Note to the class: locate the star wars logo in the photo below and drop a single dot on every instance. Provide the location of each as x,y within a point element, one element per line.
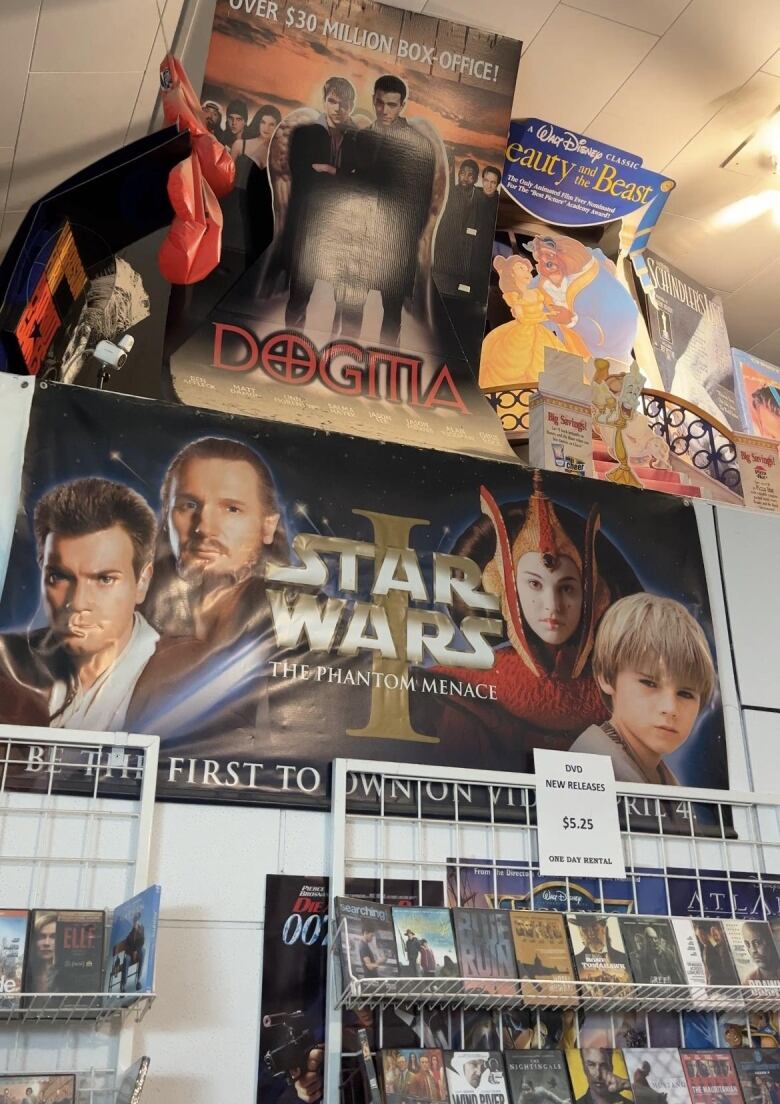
<point>394,632</point>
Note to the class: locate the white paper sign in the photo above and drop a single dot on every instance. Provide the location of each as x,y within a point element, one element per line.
<point>576,815</point>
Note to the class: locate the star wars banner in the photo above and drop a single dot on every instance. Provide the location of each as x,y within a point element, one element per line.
<point>266,598</point>
<point>380,134</point>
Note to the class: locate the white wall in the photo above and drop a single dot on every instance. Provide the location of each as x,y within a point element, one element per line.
<point>750,547</point>
<point>203,1030</point>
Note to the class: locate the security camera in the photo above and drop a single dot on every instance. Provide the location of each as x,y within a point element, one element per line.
<point>113,355</point>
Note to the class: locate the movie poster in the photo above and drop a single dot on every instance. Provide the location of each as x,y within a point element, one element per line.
<point>287,597</point>
<point>555,283</point>
<point>690,340</point>
<point>758,394</point>
<point>381,136</point>
<point>292,1013</point>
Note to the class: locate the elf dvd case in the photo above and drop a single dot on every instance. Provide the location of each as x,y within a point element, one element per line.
<point>652,950</point>
<point>367,938</point>
<point>476,1075</point>
<point>537,1077</point>
<point>485,949</point>
<point>65,951</point>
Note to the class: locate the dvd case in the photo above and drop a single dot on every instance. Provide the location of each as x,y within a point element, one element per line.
<point>485,949</point>
<point>65,951</point>
<point>758,1071</point>
<point>476,1076</point>
<point>414,1074</point>
<point>656,1075</point>
<point>425,942</point>
<point>133,1081</point>
<point>719,968</point>
<point>41,1088</point>
<point>133,943</point>
<point>13,940</point>
<point>755,954</point>
<point>689,947</point>
<point>652,950</point>
<point>711,1076</point>
<point>368,1070</point>
<point>537,1077</point>
<point>542,953</point>
<point>599,953</point>
<point>367,938</point>
<point>598,1075</point>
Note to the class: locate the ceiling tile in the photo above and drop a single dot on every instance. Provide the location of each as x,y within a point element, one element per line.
<point>522,19</point>
<point>172,10</point>
<point>655,17</point>
<point>119,38</point>
<point>6,160</point>
<point>648,131</point>
<point>517,20</point>
<point>19,19</point>
<point>575,63</point>
<point>66,125</point>
<point>650,141</point>
<point>721,259</point>
<point>773,65</point>
<point>705,147</point>
<point>148,94</point>
<point>694,69</point>
<point>768,349</point>
<point>702,186</point>
<point>751,312</point>
<point>10,223</point>
<point>415,5</point>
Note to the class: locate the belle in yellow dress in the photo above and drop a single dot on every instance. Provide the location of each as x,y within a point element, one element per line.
<point>513,354</point>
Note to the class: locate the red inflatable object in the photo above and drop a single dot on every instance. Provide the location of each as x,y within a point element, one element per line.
<point>182,107</point>
<point>192,247</point>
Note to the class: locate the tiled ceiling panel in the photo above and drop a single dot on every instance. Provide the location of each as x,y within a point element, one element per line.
<point>655,16</point>
<point>576,50</point>
<point>680,82</point>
